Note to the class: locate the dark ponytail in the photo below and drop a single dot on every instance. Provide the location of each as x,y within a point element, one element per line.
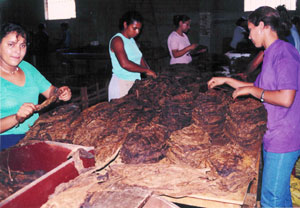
<point>285,21</point>
<point>271,17</point>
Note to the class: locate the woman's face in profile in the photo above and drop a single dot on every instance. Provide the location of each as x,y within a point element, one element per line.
<point>133,29</point>
<point>185,26</point>
<point>12,49</point>
<point>255,34</point>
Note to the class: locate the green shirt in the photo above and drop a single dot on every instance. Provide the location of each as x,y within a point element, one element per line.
<point>13,96</point>
<point>133,53</point>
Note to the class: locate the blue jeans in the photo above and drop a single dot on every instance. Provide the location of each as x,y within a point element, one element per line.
<point>276,176</point>
<point>7,141</point>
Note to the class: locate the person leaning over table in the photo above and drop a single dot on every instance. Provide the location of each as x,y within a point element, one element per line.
<point>126,58</point>
<point>277,86</point>
<point>21,84</point>
<point>178,42</point>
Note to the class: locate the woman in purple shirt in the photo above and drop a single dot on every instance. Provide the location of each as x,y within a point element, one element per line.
<point>277,87</point>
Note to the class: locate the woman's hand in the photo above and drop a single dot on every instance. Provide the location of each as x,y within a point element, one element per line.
<point>25,111</point>
<point>193,46</point>
<point>151,73</point>
<point>202,50</point>
<point>241,91</point>
<point>216,81</point>
<point>234,83</point>
<point>65,93</point>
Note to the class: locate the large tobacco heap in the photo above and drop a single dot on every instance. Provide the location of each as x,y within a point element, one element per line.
<point>171,120</point>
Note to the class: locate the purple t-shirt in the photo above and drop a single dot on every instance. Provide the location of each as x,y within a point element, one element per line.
<point>280,71</point>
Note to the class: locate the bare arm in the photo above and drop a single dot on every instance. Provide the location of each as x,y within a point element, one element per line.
<point>64,92</point>
<point>255,62</point>
<point>178,53</point>
<point>144,64</point>
<point>27,109</point>
<point>216,81</point>
<point>117,46</point>
<point>283,98</point>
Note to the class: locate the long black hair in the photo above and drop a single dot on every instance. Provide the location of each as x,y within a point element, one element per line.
<point>129,17</point>
<point>271,17</point>
<point>7,28</point>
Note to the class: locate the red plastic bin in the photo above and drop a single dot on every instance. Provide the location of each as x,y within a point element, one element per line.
<point>55,158</point>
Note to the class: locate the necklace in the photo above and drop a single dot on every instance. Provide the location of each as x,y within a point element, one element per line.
<point>10,72</point>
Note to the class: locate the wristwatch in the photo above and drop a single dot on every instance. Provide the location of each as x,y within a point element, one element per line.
<point>262,96</point>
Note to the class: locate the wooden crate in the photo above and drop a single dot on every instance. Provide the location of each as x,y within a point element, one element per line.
<point>58,160</point>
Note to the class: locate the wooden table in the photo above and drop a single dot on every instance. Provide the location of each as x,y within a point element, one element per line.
<point>247,196</point>
<point>87,57</point>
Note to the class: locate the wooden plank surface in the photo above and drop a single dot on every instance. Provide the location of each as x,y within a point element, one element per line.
<point>158,202</point>
<point>211,200</point>
<point>129,197</point>
<point>202,202</point>
<point>247,195</point>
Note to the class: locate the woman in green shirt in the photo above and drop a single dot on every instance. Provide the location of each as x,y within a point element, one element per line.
<point>21,83</point>
<point>127,60</point>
